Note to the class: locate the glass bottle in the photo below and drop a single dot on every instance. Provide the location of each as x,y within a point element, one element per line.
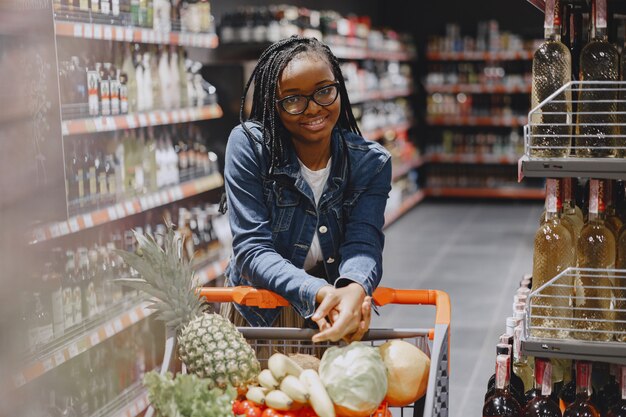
<point>521,367</point>
<point>572,214</point>
<point>42,330</point>
<point>613,222</point>
<point>516,385</point>
<point>542,404</point>
<point>54,287</point>
<point>77,292</point>
<point>552,67</point>
<point>595,249</point>
<point>88,290</point>
<point>620,289</point>
<point>554,252</point>
<point>609,395</point>
<point>620,142</point>
<point>582,406</point>
<point>619,409</point>
<point>68,290</point>
<point>599,61</point>
<point>502,403</point>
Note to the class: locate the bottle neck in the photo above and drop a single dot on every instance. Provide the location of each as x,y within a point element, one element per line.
<point>583,379</point>
<point>543,376</point>
<point>552,34</point>
<point>503,375</point>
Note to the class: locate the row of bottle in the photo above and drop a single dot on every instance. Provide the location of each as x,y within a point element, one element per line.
<point>476,105</point>
<point>489,39</point>
<point>599,130</point>
<point>77,285</point>
<point>160,15</point>
<point>368,76</point>
<point>272,23</point>
<point>140,78</point>
<point>488,144</point>
<point>136,162</point>
<point>94,382</point>
<point>588,305</point>
<point>476,176</point>
<point>373,115</point>
<point>509,73</point>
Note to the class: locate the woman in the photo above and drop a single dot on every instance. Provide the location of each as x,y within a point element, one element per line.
<point>306,195</point>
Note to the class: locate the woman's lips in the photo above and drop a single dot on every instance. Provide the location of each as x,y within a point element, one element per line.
<point>316,124</point>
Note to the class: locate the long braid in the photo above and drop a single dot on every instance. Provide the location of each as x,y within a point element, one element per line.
<point>265,77</point>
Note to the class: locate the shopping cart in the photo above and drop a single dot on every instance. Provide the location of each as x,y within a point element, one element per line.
<point>267,340</point>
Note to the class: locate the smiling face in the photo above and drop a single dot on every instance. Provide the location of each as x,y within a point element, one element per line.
<point>304,75</point>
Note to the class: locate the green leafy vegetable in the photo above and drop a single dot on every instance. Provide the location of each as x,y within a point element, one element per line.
<point>187,396</point>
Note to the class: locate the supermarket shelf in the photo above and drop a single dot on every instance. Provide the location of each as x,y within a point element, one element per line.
<point>611,352</point>
<point>130,34</point>
<point>406,205</point>
<point>127,208</point>
<point>143,119</point>
<point>512,121</point>
<point>74,347</point>
<point>399,130</point>
<point>480,56</point>
<point>406,167</point>
<point>347,52</point>
<point>609,168</point>
<point>380,95</point>
<point>471,159</point>
<point>479,88</point>
<point>514,193</point>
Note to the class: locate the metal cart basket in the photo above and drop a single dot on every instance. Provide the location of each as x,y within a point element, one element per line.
<point>266,341</point>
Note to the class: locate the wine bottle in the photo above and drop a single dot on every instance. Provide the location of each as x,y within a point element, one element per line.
<point>597,111</point>
<point>542,404</point>
<point>515,383</point>
<point>554,252</point>
<point>552,68</point>
<point>619,409</point>
<point>502,403</point>
<point>609,395</point>
<point>582,406</point>
<point>595,249</point>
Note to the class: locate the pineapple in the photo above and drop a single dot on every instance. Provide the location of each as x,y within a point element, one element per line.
<point>208,344</point>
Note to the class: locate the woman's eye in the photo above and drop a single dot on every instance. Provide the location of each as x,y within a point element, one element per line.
<point>293,100</point>
<point>325,92</point>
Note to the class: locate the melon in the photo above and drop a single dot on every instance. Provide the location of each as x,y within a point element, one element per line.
<point>407,372</point>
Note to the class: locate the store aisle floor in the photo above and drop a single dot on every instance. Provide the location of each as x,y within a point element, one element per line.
<point>477,252</point>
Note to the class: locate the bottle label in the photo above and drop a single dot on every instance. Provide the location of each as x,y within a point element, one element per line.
<point>115,97</point>
<point>68,307</point>
<point>83,4</point>
<point>57,312</point>
<point>115,7</point>
<point>93,181</point>
<point>552,195</point>
<point>583,375</point>
<point>546,384</point>
<point>105,5</point>
<point>95,6</point>
<point>92,93</point>
<point>105,97</point>
<point>92,303</point>
<point>596,196</point>
<point>80,179</point>
<point>78,305</point>
<point>517,343</point>
<point>502,371</point>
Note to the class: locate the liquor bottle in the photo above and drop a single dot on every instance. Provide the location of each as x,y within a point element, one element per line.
<point>155,79</point>
<point>619,409</point>
<point>41,331</point>
<point>115,268</point>
<point>521,365</point>
<point>542,404</point>
<point>554,252</point>
<point>572,214</point>
<point>613,222</point>
<point>567,394</point>
<point>599,61</point>
<point>54,287</point>
<point>95,276</point>
<point>620,142</point>
<point>595,249</point>
<point>148,72</point>
<point>88,290</point>
<point>68,290</point>
<point>516,385</point>
<point>609,395</point>
<point>502,403</point>
<point>620,289</point>
<point>165,79</point>
<point>105,88</point>
<point>552,67</point>
<point>582,406</point>
<point>182,74</point>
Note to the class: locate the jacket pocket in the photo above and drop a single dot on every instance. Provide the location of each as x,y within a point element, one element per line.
<point>285,202</point>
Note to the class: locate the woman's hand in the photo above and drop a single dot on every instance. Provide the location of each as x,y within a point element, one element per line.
<point>343,313</point>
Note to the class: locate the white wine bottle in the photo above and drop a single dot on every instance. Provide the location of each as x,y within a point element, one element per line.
<point>552,67</point>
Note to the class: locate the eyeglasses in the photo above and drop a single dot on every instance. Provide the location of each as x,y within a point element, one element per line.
<point>297,104</point>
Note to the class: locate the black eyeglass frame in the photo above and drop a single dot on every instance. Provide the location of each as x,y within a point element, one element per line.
<point>309,98</point>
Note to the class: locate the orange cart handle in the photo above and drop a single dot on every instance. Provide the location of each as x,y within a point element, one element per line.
<point>253,297</point>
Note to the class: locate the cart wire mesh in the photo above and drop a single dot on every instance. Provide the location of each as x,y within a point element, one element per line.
<point>579,304</point>
<point>582,119</point>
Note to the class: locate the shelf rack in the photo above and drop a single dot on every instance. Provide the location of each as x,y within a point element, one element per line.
<point>400,130</point>
<point>471,158</point>
<point>480,56</point>
<point>141,119</point>
<point>478,88</point>
<point>514,193</point>
<point>126,208</point>
<point>97,31</point>
<point>356,98</point>
<point>74,346</point>
<point>511,121</point>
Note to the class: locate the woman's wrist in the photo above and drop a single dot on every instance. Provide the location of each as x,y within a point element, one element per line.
<point>322,292</point>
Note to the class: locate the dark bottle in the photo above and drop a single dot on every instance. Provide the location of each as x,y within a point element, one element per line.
<point>502,403</point>
<point>619,409</point>
<point>517,386</point>
<point>542,404</point>
<point>582,406</point>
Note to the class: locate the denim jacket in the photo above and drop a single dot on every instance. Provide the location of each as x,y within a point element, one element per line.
<point>273,219</point>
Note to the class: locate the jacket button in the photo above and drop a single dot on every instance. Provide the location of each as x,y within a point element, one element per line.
<point>330,260</point>
<point>323,229</point>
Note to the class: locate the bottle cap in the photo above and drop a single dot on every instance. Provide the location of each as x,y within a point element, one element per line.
<point>523,290</point>
<point>510,325</point>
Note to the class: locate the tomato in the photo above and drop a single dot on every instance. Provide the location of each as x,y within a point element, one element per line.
<point>270,412</point>
<point>307,412</point>
<point>247,404</point>
<point>293,414</point>
<point>238,408</point>
<point>254,412</point>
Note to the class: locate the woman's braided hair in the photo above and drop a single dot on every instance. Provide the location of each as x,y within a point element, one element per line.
<point>265,76</point>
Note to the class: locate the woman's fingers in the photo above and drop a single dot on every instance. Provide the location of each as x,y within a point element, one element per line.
<point>364,324</point>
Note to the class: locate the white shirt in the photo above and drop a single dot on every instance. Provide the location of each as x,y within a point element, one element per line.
<point>317,182</point>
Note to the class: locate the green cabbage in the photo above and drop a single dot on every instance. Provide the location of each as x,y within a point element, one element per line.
<point>354,376</point>
<point>187,396</point>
